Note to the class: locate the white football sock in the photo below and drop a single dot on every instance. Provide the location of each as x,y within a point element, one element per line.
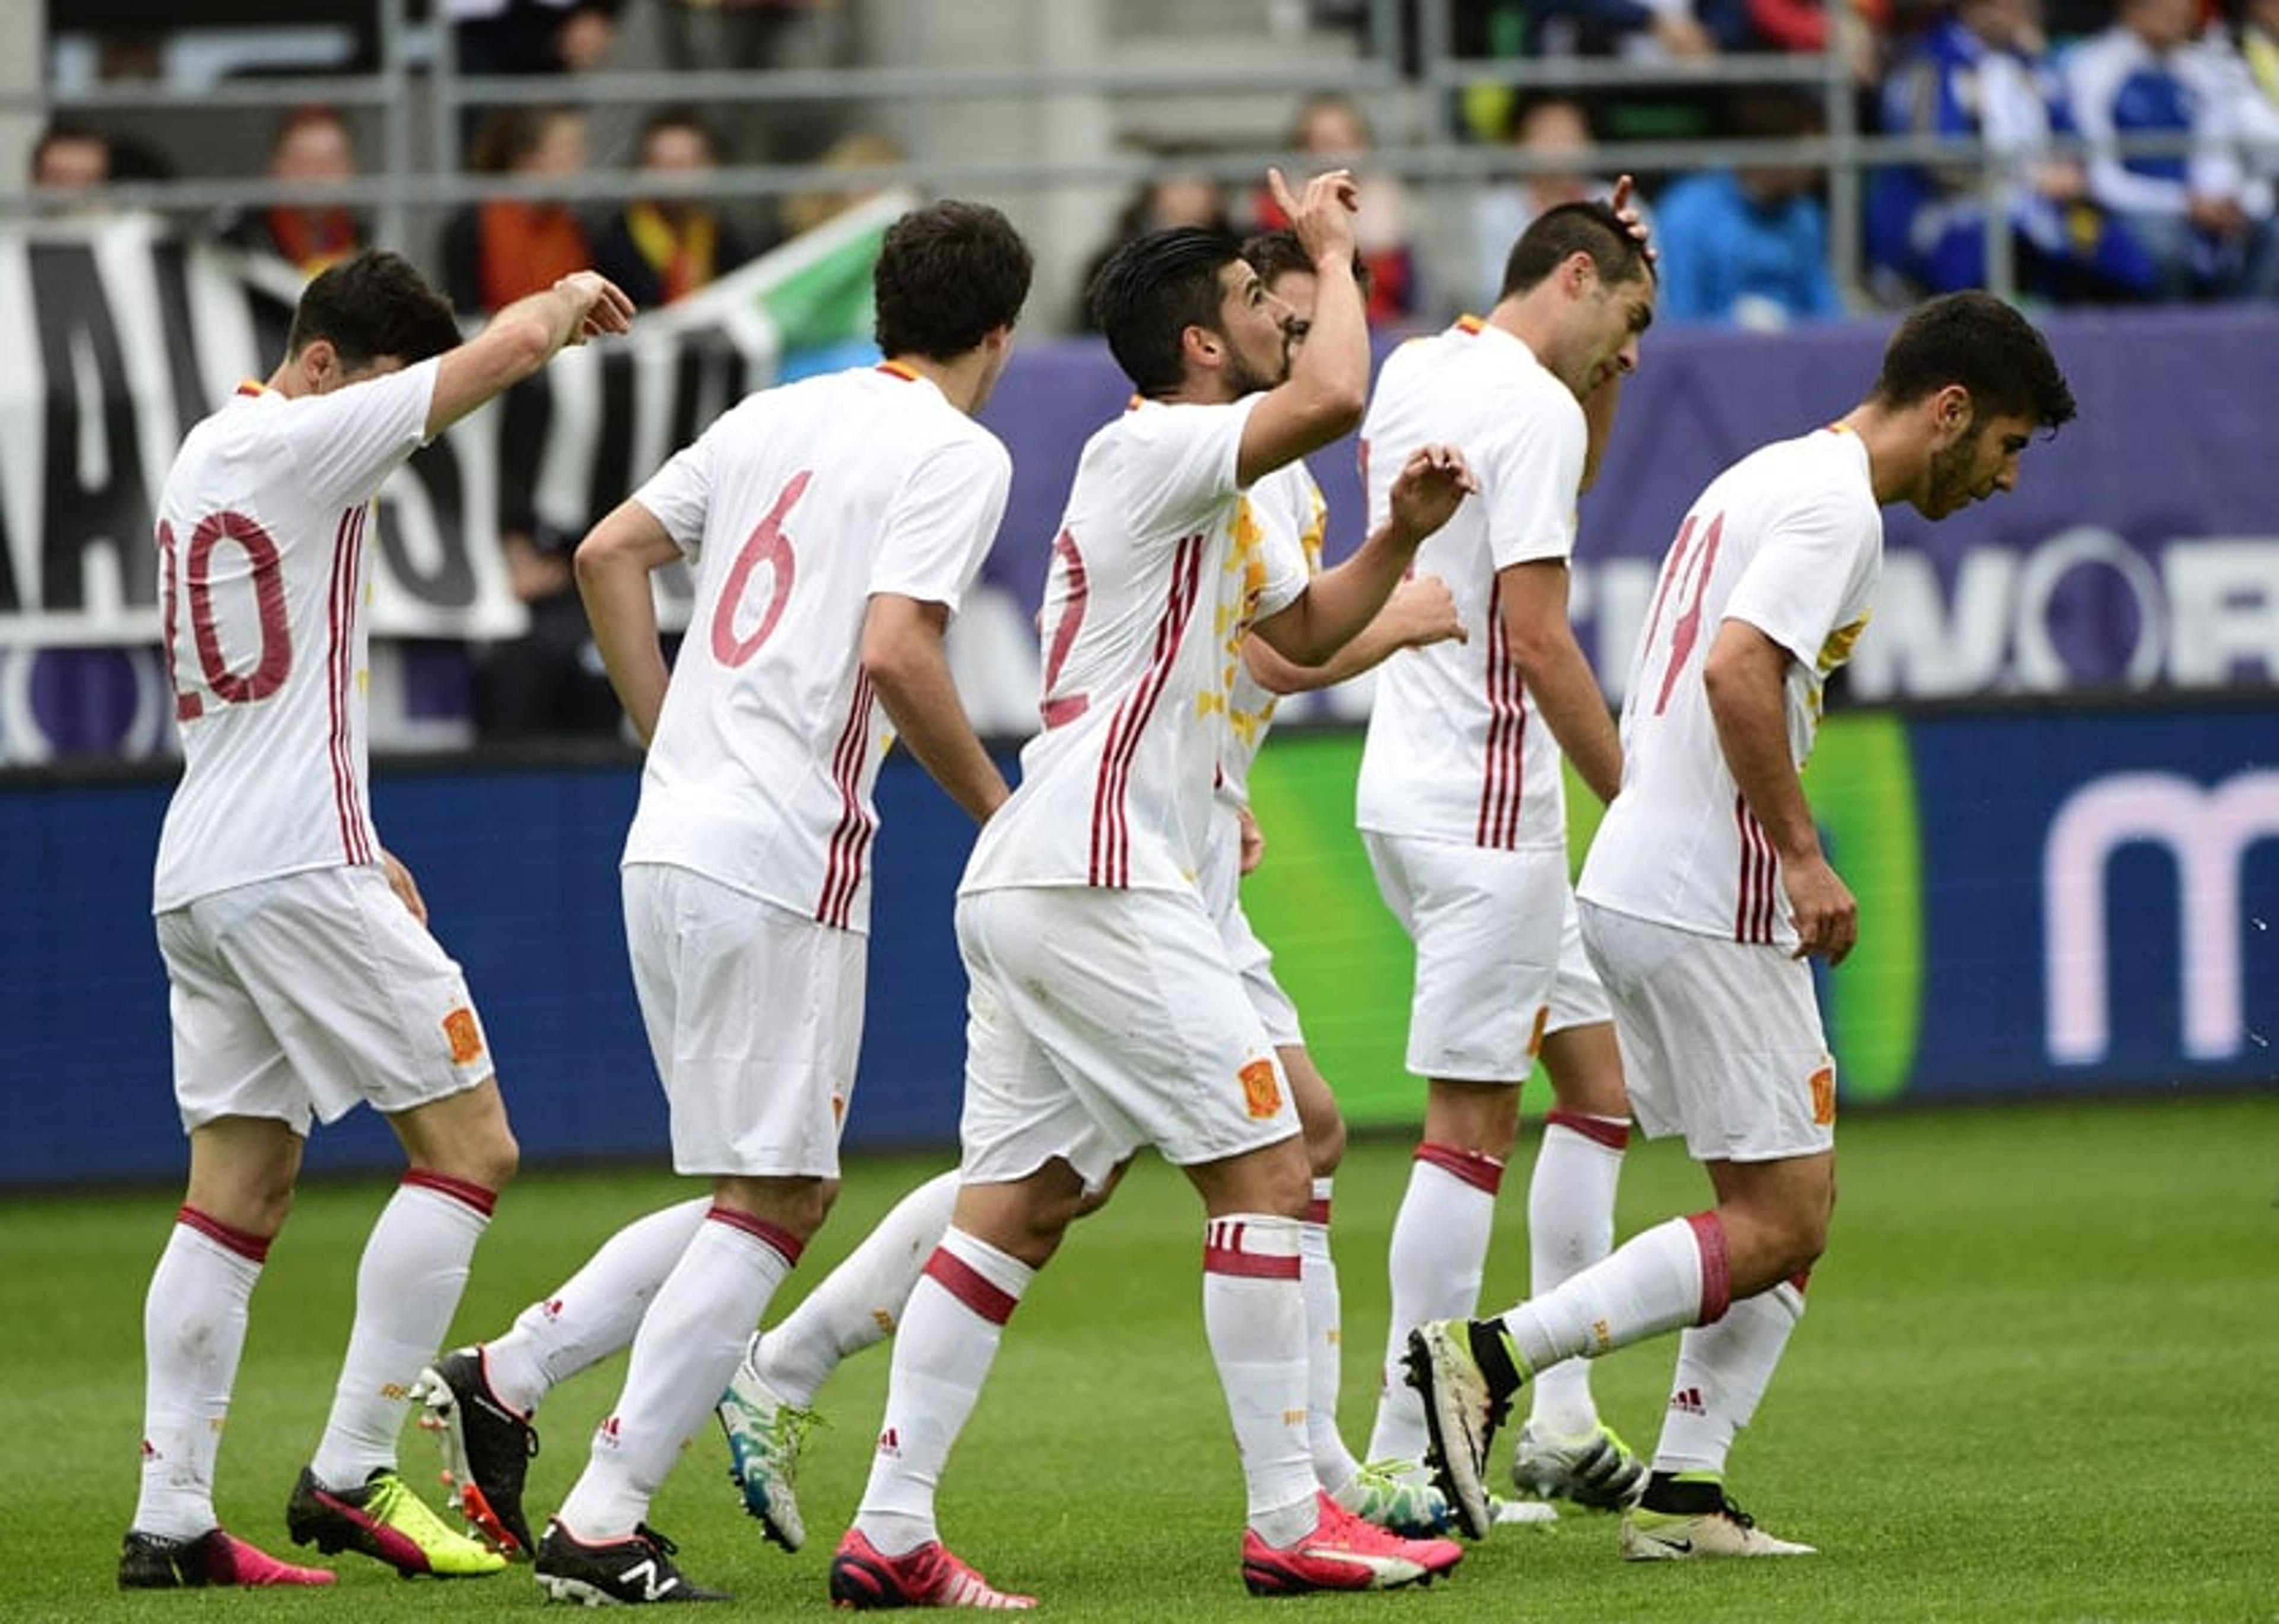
<point>951,1326</point>
<point>1439,1249</point>
<point>859,1302</point>
<point>192,1331</point>
<point>408,1284</point>
<point>1317,1277</point>
<point>1722,1372</point>
<point>1669,1275</point>
<point>1570,1225</point>
<point>593,1313</point>
<point>683,1354</point>
<point>1254,1313</point>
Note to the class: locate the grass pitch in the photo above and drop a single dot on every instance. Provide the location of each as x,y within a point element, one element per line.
<point>2036,1382</point>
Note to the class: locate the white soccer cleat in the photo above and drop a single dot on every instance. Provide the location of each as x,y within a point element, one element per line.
<point>765,1436</point>
<point>1677,1536</point>
<point>1461,1415</point>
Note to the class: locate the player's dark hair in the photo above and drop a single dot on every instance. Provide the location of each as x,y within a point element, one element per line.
<point>1150,292</point>
<point>1974,339</point>
<point>1558,233</point>
<point>371,305</point>
<point>948,275</point>
<point>1279,253</point>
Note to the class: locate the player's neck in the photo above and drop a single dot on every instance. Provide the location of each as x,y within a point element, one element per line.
<point>961,381</point>
<point>1897,456</point>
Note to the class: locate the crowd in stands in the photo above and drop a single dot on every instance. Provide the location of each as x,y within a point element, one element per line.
<point>2134,149</point>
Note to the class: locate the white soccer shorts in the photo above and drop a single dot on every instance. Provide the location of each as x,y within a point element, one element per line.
<point>297,998</point>
<point>754,1017</point>
<point>1722,1040</point>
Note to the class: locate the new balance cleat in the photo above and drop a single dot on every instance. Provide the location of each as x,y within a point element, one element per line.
<point>632,1572</point>
<point>864,1578</point>
<point>1461,1414</point>
<point>765,1436</point>
<point>1596,1471</point>
<point>1693,1517</point>
<point>154,1562</point>
<point>1397,1496</point>
<point>1343,1553</point>
<point>488,1448</point>
<point>382,1519</point>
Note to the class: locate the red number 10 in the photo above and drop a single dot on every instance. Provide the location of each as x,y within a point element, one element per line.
<point>276,661</point>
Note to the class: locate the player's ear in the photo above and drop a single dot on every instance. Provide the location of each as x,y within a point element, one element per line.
<point>320,365</point>
<point>1952,413</point>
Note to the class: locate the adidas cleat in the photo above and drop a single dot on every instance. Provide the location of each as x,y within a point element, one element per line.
<point>1695,1519</point>
<point>154,1562</point>
<point>632,1572</point>
<point>382,1519</point>
<point>1596,1471</point>
<point>1460,1415</point>
<point>1343,1553</point>
<point>863,1578</point>
<point>487,1448</point>
<point>765,1436</point>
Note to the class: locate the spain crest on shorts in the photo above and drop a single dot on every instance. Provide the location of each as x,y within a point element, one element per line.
<point>1262,1090</point>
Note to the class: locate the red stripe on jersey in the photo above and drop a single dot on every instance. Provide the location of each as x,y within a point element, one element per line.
<point>1111,834</point>
<point>1753,912</point>
<point>1501,782</point>
<point>968,1284</point>
<point>347,552</point>
<point>1672,568</point>
<point>850,841</point>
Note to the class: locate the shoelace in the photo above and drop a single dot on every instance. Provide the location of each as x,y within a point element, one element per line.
<point>654,1540</point>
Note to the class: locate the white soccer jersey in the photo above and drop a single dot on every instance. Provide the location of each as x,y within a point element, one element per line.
<point>1159,570</point>
<point>263,523</point>
<point>795,509</point>
<point>1293,518</point>
<point>1456,749</point>
<point>1788,540</point>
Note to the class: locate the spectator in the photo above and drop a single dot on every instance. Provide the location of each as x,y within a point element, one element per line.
<point>2208,227</point>
<point>861,149</point>
<point>1982,77</point>
<point>1177,197</point>
<point>312,147</point>
<point>659,249</point>
<point>1748,247</point>
<point>1550,126</point>
<point>1334,131</point>
<point>499,250</point>
<point>2248,50</point>
<point>531,36</point>
<point>1802,26</point>
<point>70,160</point>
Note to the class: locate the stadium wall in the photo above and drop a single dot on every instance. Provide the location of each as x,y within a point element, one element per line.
<point>2052,903</point>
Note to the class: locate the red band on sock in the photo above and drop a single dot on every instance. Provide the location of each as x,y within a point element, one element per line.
<point>1602,1129</point>
<point>253,1248</point>
<point>1224,1253</point>
<point>1799,1280</point>
<point>786,1245</point>
<point>465,1192</point>
<point>968,1284</point>
<point>1318,1211</point>
<point>1716,1267</point>
<point>1481,1172</point>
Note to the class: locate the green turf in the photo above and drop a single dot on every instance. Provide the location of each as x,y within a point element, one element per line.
<point>2039,1381</point>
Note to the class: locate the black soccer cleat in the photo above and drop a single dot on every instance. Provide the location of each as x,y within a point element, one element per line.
<point>487,1448</point>
<point>630,1571</point>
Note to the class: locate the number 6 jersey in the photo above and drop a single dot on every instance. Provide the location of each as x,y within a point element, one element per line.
<point>795,507</point>
<point>264,523</point>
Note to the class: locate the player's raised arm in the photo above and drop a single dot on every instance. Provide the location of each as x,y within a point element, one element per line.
<point>1327,389</point>
<point>523,337</point>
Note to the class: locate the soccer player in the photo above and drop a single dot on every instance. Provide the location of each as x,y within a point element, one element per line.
<point>833,525</point>
<point>1105,1012</point>
<point>1706,892</point>
<point>1461,806</point>
<point>302,979</point>
<point>768,1409</point>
